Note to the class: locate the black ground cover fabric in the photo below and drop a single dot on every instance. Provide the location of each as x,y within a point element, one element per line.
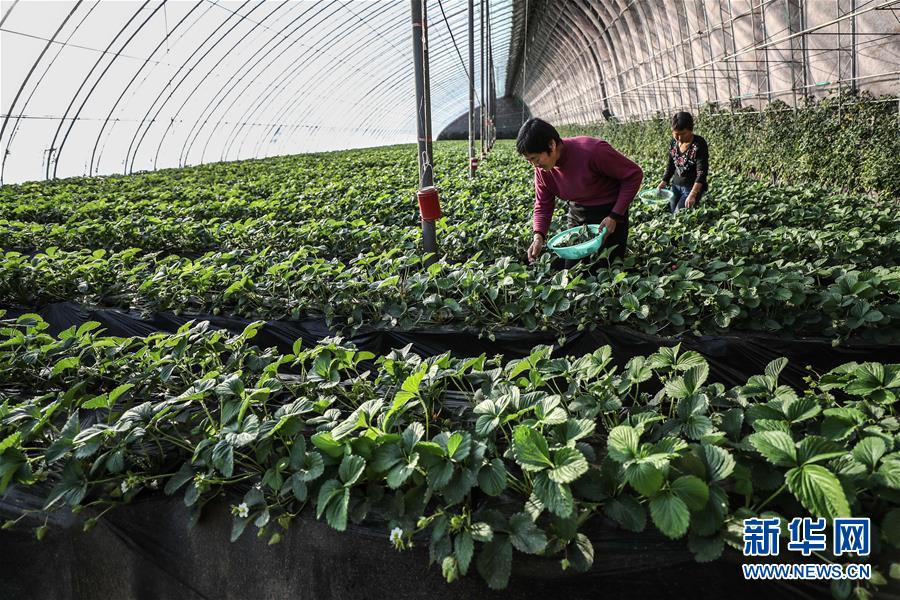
<point>147,550</point>
<point>732,359</point>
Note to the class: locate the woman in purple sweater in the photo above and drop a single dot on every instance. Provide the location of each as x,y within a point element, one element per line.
<point>598,182</point>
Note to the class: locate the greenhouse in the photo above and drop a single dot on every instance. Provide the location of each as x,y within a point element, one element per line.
<point>449,298</point>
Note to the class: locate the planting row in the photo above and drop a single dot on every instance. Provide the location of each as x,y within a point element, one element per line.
<point>486,458</point>
<point>371,184</point>
<point>352,210</point>
<point>390,290</point>
<point>732,226</point>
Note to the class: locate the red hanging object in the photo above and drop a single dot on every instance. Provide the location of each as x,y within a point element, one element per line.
<point>429,203</point>
<point>473,164</point>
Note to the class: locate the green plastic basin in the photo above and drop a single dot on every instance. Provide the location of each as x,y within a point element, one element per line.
<point>579,250</point>
<point>655,196</point>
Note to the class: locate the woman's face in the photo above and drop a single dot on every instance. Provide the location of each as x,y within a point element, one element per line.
<point>544,160</point>
<point>682,136</point>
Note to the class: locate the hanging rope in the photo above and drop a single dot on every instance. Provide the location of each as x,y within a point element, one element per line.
<point>453,39</point>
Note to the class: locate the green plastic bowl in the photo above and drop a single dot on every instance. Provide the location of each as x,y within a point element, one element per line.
<point>655,196</point>
<point>579,250</point>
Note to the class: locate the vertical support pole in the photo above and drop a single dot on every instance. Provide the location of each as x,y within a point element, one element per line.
<point>483,111</point>
<point>489,79</point>
<point>765,39</point>
<point>798,52</point>
<point>493,96</point>
<point>737,71</point>
<point>840,62</point>
<point>423,115</point>
<point>804,50</point>
<point>790,22</point>
<point>426,66</point>
<point>493,99</point>
<point>525,61</point>
<point>712,68</point>
<point>724,52</point>
<point>853,60</point>
<point>471,89</point>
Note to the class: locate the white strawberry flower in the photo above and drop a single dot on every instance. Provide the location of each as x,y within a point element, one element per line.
<point>397,538</point>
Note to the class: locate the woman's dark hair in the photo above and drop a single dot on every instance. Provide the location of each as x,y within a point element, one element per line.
<point>683,120</point>
<point>535,135</point>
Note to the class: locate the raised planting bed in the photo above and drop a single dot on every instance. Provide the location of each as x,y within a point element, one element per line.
<point>490,461</point>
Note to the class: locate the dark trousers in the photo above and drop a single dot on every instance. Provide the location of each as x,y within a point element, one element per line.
<point>593,215</point>
<point>681,193</point>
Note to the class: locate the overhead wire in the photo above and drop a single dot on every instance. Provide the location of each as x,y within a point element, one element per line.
<point>453,39</point>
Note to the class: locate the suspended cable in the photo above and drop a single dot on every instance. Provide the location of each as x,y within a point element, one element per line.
<point>369,26</point>
<point>79,46</point>
<point>6,14</point>
<point>15,127</point>
<point>28,77</point>
<point>453,39</point>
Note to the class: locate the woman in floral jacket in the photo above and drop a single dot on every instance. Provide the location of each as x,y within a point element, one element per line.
<point>688,163</point>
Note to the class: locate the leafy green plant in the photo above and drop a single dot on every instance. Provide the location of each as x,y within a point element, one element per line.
<point>844,140</point>
<point>333,235</point>
<point>485,459</point>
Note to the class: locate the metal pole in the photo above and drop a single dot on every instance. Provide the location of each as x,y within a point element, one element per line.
<point>853,65</point>
<point>493,83</point>
<point>471,87</point>
<point>426,176</point>
<point>790,22</point>
<point>427,76</point>
<point>426,173</point>
<point>488,77</point>
<point>525,57</point>
<point>483,95</point>
<point>765,33</point>
<point>737,72</point>
<point>804,52</point>
<point>493,100</point>
<point>840,90</point>
<point>705,13</point>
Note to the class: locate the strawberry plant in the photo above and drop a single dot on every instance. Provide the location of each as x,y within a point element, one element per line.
<point>333,235</point>
<point>489,459</point>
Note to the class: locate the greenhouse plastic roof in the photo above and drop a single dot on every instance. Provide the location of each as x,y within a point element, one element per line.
<point>117,87</point>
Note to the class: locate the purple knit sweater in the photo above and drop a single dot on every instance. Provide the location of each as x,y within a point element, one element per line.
<point>589,172</point>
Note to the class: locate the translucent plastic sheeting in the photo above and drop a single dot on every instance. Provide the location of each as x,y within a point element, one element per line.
<point>116,87</point>
<point>582,60</point>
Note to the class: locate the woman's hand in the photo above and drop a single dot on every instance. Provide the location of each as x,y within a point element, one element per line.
<point>662,185</point>
<point>690,200</point>
<point>610,225</point>
<point>536,247</point>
